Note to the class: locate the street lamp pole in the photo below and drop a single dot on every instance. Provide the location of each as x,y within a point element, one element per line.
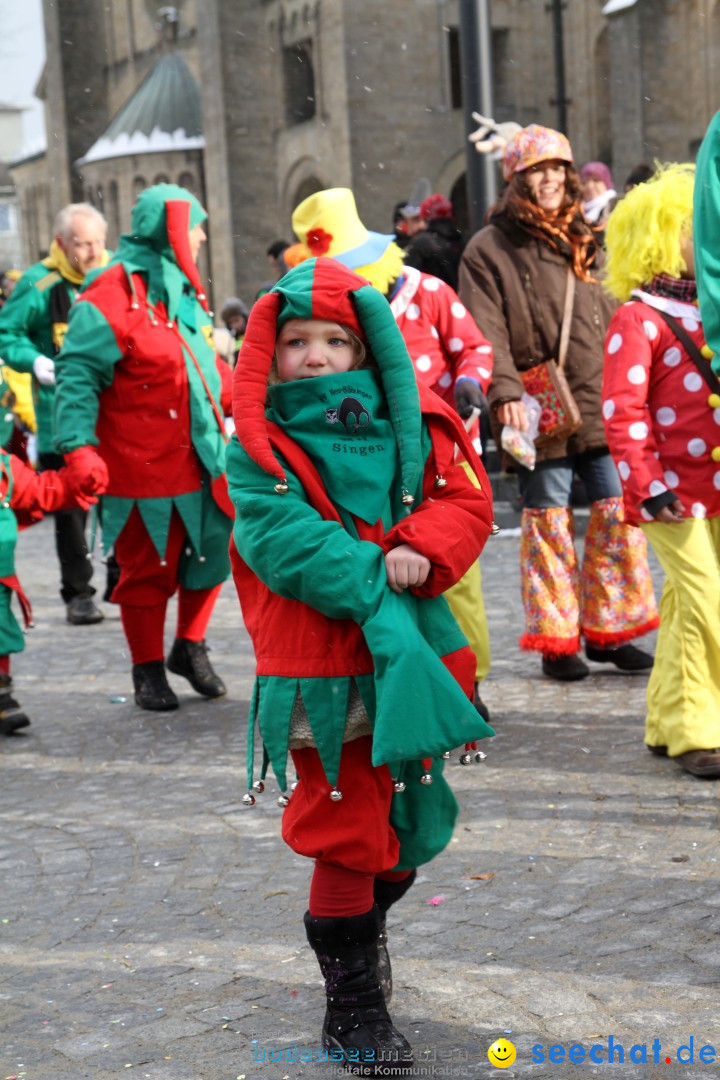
<point>559,51</point>
<point>476,69</point>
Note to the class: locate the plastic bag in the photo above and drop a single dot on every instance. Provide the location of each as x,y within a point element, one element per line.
<point>521,444</point>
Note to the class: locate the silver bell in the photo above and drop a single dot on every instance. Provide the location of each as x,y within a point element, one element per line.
<point>466,758</point>
<point>294,785</point>
<point>336,795</point>
<point>259,786</point>
<point>446,755</point>
<point>426,778</point>
<point>480,756</point>
<point>399,785</point>
<point>282,801</point>
<point>248,799</point>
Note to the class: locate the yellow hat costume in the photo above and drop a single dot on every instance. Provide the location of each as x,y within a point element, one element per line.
<point>327,223</point>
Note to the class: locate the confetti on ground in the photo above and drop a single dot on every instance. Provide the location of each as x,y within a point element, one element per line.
<point>435,901</point>
<point>483,877</point>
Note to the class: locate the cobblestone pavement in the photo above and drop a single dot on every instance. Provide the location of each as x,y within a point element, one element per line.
<point>151,927</point>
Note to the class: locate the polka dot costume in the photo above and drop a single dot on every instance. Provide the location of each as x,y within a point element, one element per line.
<point>661,427</point>
<point>441,335</point>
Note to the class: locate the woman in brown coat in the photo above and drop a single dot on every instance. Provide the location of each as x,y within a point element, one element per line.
<point>513,279</point>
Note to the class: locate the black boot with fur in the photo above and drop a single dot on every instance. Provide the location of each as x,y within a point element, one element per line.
<point>386,894</point>
<point>357,1022</point>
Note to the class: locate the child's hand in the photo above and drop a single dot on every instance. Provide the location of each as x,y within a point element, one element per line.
<point>671,514</point>
<point>405,567</point>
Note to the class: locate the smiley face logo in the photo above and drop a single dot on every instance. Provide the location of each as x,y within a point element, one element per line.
<point>501,1054</point>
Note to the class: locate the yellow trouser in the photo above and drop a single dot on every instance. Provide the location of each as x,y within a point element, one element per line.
<point>467,605</point>
<point>684,689</point>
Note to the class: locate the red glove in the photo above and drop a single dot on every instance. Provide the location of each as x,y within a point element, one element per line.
<point>87,473</point>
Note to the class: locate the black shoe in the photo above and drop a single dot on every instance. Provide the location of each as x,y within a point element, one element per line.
<point>152,690</point>
<point>386,894</point>
<point>565,668</point>
<point>190,659</point>
<point>624,657</point>
<point>12,718</point>
<point>82,611</point>
<point>480,704</point>
<point>357,1023</point>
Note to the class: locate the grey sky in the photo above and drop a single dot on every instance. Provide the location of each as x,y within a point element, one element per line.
<point>22,55</point>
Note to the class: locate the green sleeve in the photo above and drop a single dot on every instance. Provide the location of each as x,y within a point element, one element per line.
<point>25,326</point>
<point>706,228</point>
<point>84,368</point>
<point>295,552</point>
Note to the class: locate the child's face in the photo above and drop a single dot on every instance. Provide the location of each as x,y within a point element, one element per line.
<point>309,347</point>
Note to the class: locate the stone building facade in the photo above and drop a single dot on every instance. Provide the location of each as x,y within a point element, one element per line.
<point>302,94</point>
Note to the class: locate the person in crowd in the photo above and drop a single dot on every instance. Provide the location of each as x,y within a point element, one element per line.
<point>25,496</point>
<point>275,257</point>
<point>661,419</point>
<point>637,175</point>
<point>449,353</point>
<point>228,339</point>
<point>140,400</point>
<point>514,277</point>
<point>598,193</point>
<point>438,248</point>
<point>407,223</point>
<point>352,518</point>
<point>32,325</point>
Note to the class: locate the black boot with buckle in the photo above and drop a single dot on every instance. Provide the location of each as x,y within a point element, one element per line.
<point>152,690</point>
<point>386,894</point>
<point>357,1022</point>
<point>190,659</point>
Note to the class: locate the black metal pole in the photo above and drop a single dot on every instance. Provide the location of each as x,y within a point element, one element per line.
<point>559,50</point>
<point>476,71</point>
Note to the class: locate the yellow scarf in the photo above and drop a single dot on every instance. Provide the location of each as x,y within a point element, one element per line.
<point>58,260</point>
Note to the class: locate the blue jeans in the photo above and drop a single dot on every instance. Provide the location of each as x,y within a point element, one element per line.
<point>549,483</point>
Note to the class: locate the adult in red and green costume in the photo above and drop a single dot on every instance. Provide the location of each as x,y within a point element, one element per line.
<point>367,687</point>
<point>32,325</point>
<point>140,398</point>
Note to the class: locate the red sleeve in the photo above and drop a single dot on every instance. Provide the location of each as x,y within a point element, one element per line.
<point>35,494</point>
<point>226,385</point>
<point>451,524</point>
<point>626,379</point>
<point>470,352</point>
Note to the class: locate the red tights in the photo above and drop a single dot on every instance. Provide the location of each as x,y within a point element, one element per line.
<point>335,891</point>
<point>144,626</point>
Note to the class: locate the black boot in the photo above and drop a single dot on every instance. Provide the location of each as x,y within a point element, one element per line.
<point>12,718</point>
<point>357,1022</point>
<point>152,690</point>
<point>386,894</point>
<point>190,659</point>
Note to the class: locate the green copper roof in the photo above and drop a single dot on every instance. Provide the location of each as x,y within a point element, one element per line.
<point>163,114</point>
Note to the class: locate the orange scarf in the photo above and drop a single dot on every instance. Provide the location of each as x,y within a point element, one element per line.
<point>554,228</point>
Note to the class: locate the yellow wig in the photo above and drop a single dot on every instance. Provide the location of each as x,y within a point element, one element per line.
<point>645,230</point>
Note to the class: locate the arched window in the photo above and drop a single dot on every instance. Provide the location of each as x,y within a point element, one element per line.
<point>161,178</point>
<point>187,180</point>
<point>306,188</point>
<point>139,184</point>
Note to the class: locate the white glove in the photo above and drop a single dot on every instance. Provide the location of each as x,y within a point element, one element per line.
<point>44,369</point>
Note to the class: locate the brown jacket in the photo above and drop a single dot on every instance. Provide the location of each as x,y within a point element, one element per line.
<point>514,286</point>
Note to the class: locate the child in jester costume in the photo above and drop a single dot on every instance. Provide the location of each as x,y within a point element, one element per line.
<point>25,496</point>
<point>352,518</point>
<point>139,402</point>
